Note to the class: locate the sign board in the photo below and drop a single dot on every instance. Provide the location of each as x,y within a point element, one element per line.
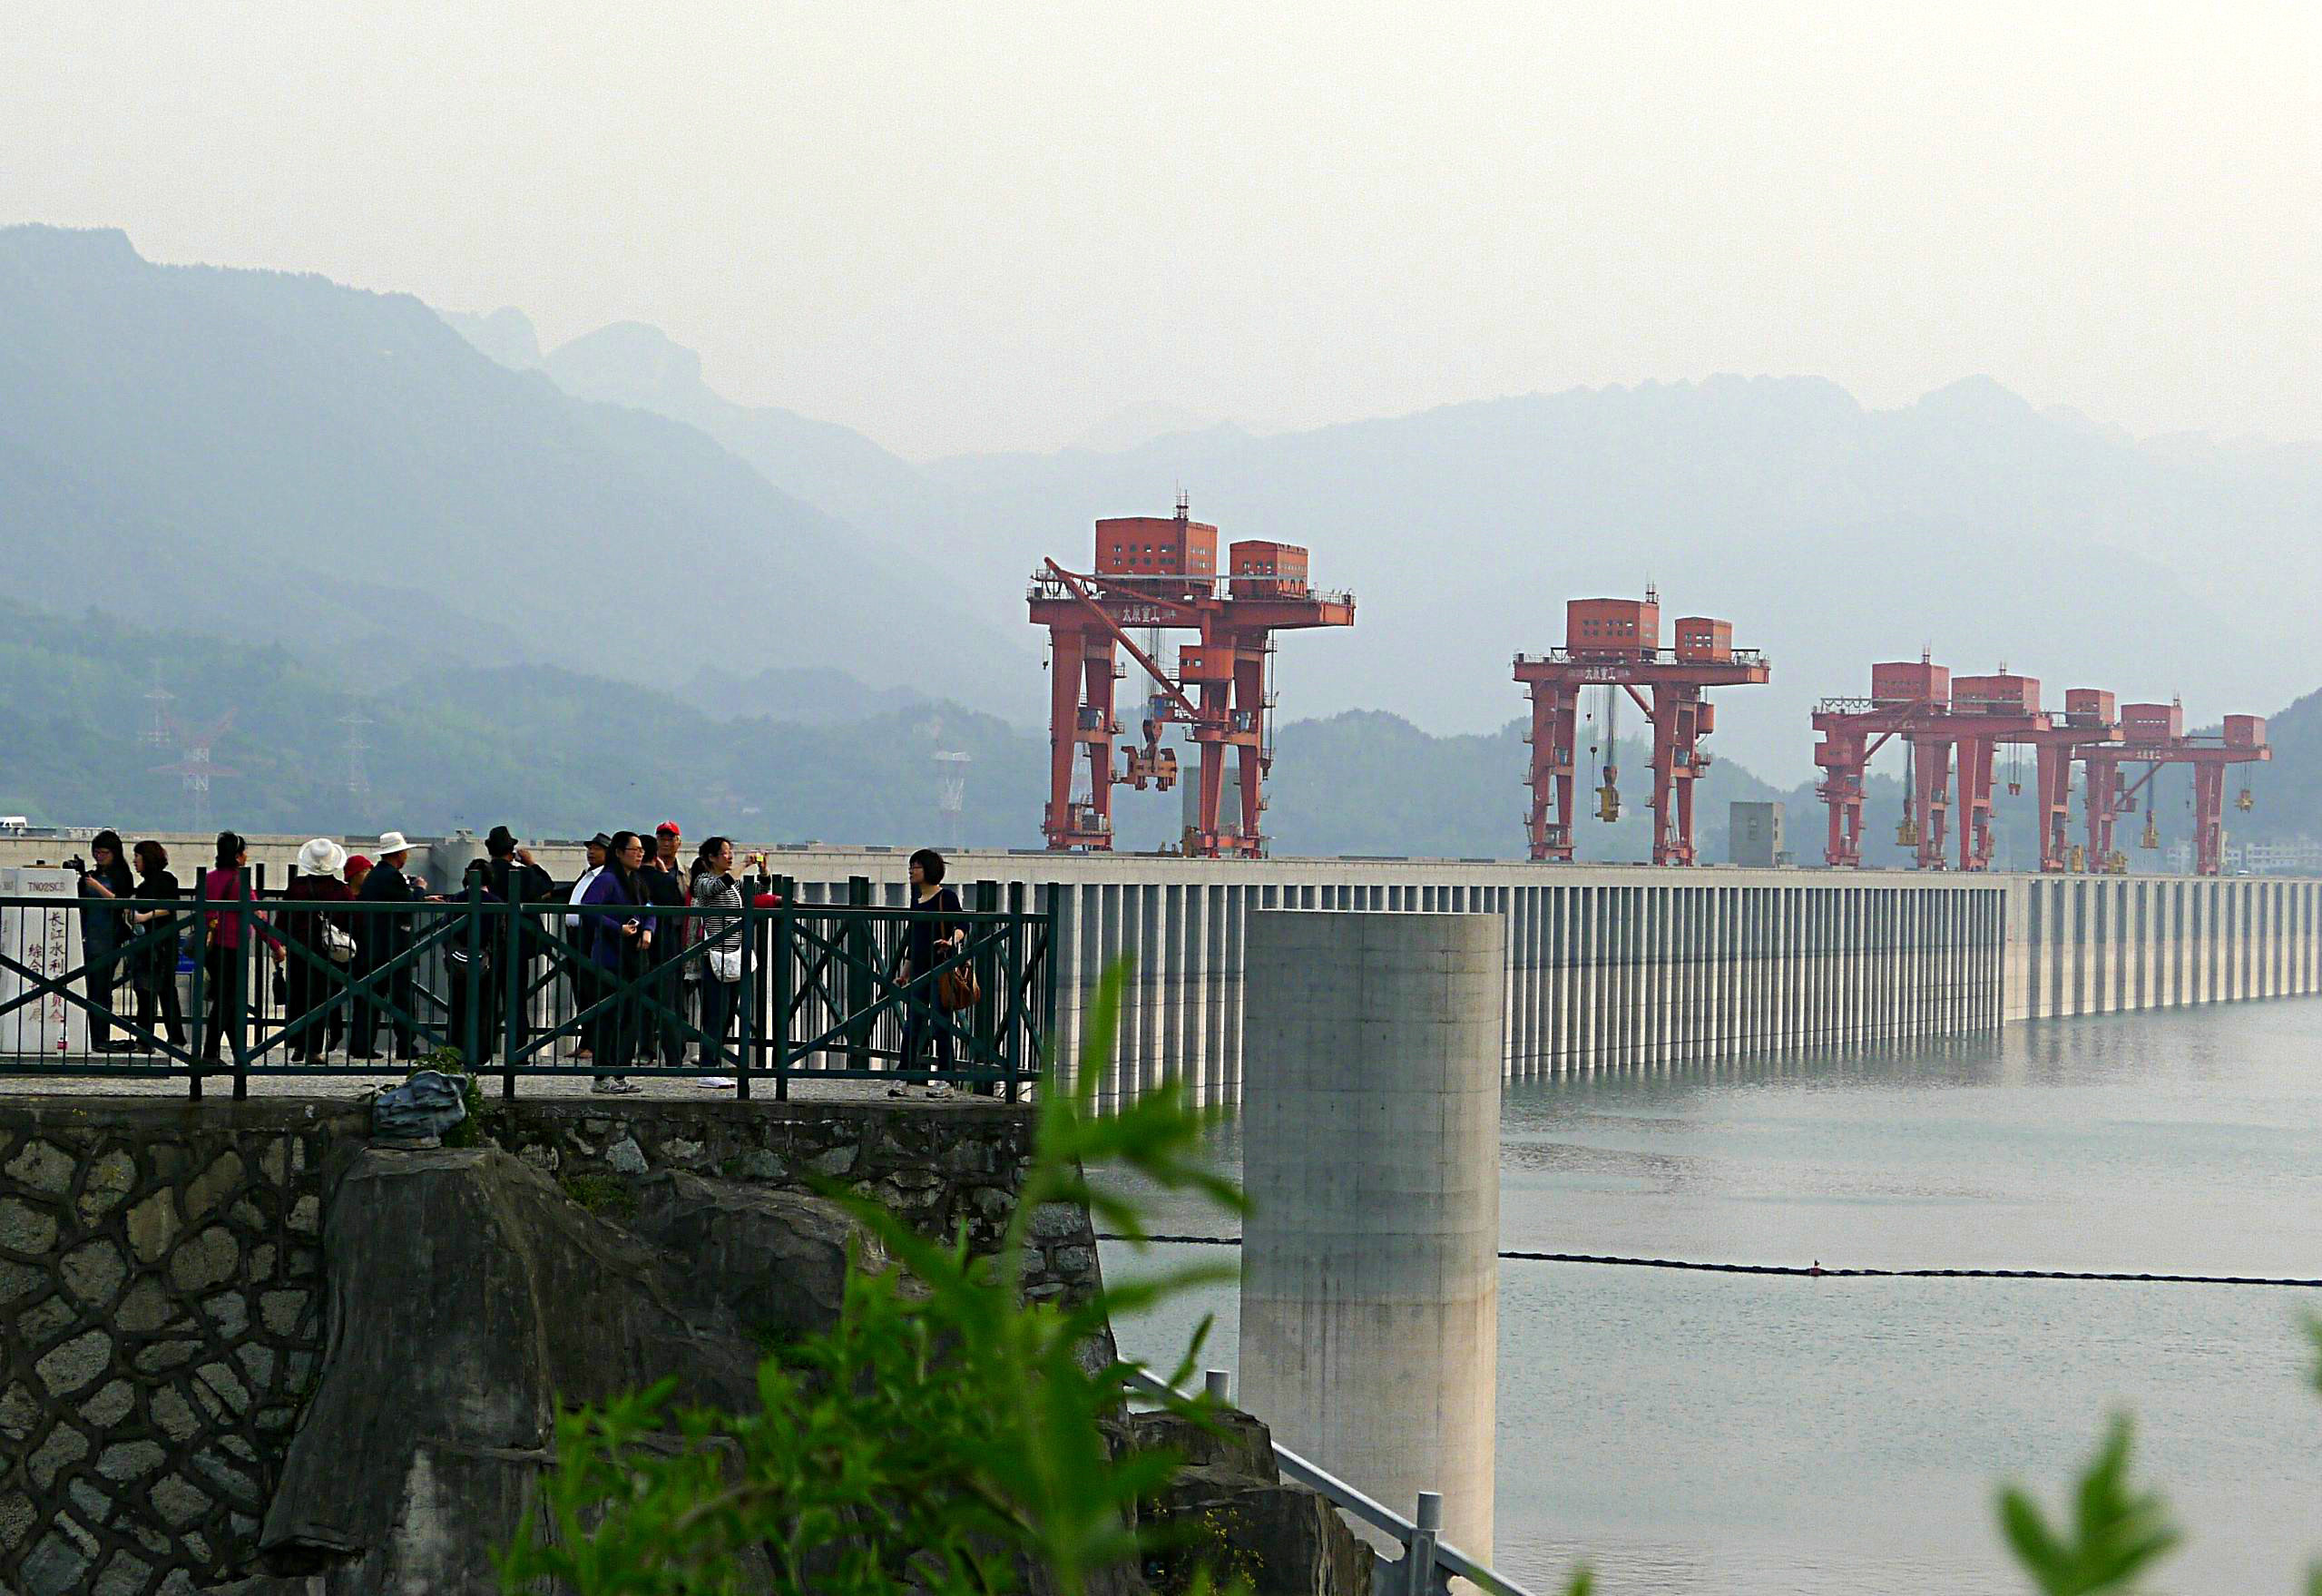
<point>45,937</point>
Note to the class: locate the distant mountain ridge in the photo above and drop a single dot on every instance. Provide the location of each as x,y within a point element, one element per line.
<point>1830,533</point>
<point>267,455</point>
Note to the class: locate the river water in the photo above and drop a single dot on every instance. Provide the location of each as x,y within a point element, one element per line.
<point>1742,1434</point>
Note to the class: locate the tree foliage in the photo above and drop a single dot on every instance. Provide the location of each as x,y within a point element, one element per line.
<point>948,1436</point>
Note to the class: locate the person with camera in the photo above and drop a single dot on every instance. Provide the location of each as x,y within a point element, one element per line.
<point>511,875</point>
<point>717,974</point>
<point>380,938</point>
<point>103,877</point>
<point>154,971</point>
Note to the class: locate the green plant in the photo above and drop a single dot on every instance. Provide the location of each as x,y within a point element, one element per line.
<point>608,1195</point>
<point>2114,1532</point>
<point>948,1436</point>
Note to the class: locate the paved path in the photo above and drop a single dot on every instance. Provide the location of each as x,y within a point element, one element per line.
<point>281,1083</point>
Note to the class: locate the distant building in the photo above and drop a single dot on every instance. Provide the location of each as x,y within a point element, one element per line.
<point>1754,834</point>
<point>2302,857</point>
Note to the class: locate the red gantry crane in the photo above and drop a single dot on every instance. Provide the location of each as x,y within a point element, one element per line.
<point>2153,735</point>
<point>1904,694</point>
<point>1984,711</point>
<point>1615,643</point>
<point>1156,574</point>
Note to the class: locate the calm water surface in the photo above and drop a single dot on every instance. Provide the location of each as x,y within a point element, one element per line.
<point>1739,1435</point>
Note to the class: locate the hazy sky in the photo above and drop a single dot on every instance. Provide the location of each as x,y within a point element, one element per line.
<point>969,225</point>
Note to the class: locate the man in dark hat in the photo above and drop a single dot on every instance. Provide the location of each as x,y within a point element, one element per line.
<point>511,875</point>
<point>579,934</point>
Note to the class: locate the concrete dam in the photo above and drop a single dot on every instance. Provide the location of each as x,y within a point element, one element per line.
<point>1623,967</point>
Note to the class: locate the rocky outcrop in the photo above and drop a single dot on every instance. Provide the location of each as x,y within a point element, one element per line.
<point>1229,1511</point>
<point>778,1260</point>
<point>469,1298</point>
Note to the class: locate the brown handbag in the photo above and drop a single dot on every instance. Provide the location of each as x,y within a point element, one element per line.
<point>957,988</point>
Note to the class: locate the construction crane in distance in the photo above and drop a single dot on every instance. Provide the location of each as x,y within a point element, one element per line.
<point>1615,643</point>
<point>1158,573</point>
<point>2153,736</point>
<point>1905,694</point>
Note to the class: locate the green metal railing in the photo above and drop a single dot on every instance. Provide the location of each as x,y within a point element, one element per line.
<point>794,990</point>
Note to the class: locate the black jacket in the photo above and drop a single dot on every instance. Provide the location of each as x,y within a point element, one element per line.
<point>663,889</point>
<point>533,883</point>
<point>381,935</point>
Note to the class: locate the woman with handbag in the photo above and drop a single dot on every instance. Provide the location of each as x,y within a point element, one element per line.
<point>926,944</point>
<point>154,971</point>
<point>717,974</point>
<point>323,939</point>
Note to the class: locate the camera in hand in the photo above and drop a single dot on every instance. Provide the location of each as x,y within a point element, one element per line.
<point>77,864</point>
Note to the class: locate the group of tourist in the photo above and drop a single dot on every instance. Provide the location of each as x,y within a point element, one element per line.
<point>628,962</point>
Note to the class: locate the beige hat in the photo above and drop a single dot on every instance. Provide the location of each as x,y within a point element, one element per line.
<point>391,842</point>
<point>321,857</point>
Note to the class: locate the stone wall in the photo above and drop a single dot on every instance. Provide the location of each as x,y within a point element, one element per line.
<point>938,1164</point>
<point>163,1290</point>
<point>160,1285</point>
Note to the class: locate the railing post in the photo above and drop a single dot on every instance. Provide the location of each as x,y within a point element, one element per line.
<point>778,1020</point>
<point>860,937</point>
<point>1046,954</point>
<point>1018,1012</point>
<point>245,957</point>
<point>471,995</point>
<point>1219,1384</point>
<point>197,1027</point>
<point>746,996</point>
<point>983,1024</point>
<point>1419,1556</point>
<point>514,1018</point>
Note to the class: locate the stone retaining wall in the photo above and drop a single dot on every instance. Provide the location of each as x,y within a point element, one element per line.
<point>938,1164</point>
<point>161,1283</point>
<point>163,1303</point>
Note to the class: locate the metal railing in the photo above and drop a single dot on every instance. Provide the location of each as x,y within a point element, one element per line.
<point>253,987</point>
<point>1614,653</point>
<point>1428,1562</point>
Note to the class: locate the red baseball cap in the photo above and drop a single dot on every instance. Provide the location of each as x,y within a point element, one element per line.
<point>667,829</point>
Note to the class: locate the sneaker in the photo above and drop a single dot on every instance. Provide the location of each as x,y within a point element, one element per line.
<point>714,1083</point>
<point>615,1086</point>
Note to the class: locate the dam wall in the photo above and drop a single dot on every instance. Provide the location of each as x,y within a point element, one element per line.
<point>1607,966</point>
<point>1614,967</point>
<point>2109,944</point>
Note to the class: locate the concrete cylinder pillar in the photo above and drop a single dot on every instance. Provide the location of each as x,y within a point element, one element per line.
<point>1370,1149</point>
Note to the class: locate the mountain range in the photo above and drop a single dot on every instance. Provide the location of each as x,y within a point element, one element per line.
<point>1968,524</point>
<point>421,507</point>
<point>276,456</point>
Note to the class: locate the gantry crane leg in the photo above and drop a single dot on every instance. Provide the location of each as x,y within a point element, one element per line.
<point>1930,799</point>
